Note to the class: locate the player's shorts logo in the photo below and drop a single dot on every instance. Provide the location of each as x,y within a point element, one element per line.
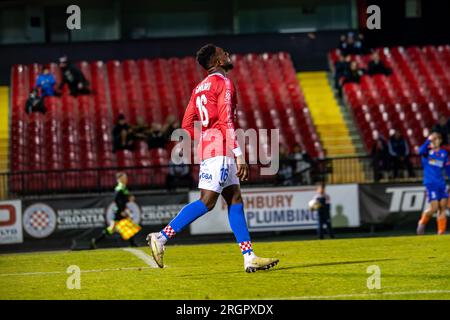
<point>132,207</point>
<point>39,220</point>
<point>205,176</point>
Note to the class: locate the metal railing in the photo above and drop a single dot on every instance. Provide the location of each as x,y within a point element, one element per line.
<point>98,180</point>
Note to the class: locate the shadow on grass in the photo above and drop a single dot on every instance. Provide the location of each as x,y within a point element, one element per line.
<point>325,264</point>
<point>291,267</point>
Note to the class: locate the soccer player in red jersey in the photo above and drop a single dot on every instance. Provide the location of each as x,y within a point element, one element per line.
<point>213,103</point>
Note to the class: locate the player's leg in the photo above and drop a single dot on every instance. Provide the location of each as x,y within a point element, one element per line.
<point>185,217</point>
<point>191,212</point>
<point>428,213</point>
<point>105,232</point>
<point>238,224</point>
<point>320,230</point>
<point>442,216</point>
<point>330,228</point>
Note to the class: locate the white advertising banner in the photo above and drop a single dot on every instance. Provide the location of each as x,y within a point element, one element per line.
<point>284,208</point>
<point>11,222</point>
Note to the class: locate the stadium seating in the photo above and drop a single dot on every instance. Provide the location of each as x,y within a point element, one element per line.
<point>410,100</point>
<point>75,133</point>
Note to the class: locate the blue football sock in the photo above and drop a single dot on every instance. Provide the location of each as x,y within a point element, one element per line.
<point>186,216</point>
<point>238,225</point>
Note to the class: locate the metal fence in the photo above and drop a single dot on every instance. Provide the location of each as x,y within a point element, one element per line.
<point>331,171</point>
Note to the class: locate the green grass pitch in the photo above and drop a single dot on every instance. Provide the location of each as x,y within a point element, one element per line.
<point>411,268</point>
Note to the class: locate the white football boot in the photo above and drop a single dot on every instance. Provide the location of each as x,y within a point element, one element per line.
<point>253,263</point>
<point>156,247</point>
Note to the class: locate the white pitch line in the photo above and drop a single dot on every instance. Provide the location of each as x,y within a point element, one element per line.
<point>143,256</point>
<point>60,272</point>
<point>354,295</point>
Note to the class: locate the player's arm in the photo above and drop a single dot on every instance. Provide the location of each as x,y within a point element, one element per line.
<point>190,116</point>
<point>226,119</point>
<point>447,167</point>
<point>423,149</point>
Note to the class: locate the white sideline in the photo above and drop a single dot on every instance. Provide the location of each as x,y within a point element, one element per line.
<point>143,256</point>
<point>138,253</point>
<point>82,271</point>
<point>354,295</point>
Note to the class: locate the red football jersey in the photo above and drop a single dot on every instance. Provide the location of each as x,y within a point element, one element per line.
<point>213,104</point>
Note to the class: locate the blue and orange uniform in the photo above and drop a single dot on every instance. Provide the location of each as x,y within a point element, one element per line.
<point>434,163</point>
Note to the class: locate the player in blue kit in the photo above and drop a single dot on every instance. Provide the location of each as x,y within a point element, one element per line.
<point>434,161</point>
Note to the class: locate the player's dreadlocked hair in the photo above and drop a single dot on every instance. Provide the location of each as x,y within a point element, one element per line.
<point>205,55</point>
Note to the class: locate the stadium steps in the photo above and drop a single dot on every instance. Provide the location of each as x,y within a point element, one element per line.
<point>349,120</point>
<point>337,137</point>
<point>4,138</point>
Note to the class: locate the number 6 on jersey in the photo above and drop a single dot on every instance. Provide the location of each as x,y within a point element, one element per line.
<point>201,102</point>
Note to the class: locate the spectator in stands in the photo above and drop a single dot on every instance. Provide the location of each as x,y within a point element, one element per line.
<point>350,47</point>
<point>285,174</point>
<point>354,74</point>
<point>34,103</point>
<point>443,127</point>
<point>302,163</point>
<point>159,135</point>
<point>140,131</point>
<point>122,135</point>
<point>399,153</point>
<point>156,138</point>
<point>380,157</point>
<point>171,124</point>
<point>376,66</point>
<point>360,44</point>
<point>179,174</point>
<point>46,83</point>
<point>341,69</point>
<point>73,77</point>
<point>343,44</point>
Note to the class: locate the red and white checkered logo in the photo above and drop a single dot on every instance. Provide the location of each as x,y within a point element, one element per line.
<point>39,220</point>
<point>169,231</point>
<point>245,246</point>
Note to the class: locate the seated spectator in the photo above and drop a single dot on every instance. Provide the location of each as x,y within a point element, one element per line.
<point>342,46</point>
<point>285,174</point>
<point>73,77</point>
<point>354,74</point>
<point>34,103</point>
<point>159,135</point>
<point>443,127</point>
<point>350,45</point>
<point>179,174</point>
<point>399,153</point>
<point>376,66</point>
<point>46,82</point>
<point>380,157</point>
<point>360,44</point>
<point>140,131</point>
<point>156,138</point>
<point>122,135</point>
<point>302,163</point>
<point>341,68</point>
<point>171,124</point>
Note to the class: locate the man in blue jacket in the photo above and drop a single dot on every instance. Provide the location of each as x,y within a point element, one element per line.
<point>46,82</point>
<point>434,160</point>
